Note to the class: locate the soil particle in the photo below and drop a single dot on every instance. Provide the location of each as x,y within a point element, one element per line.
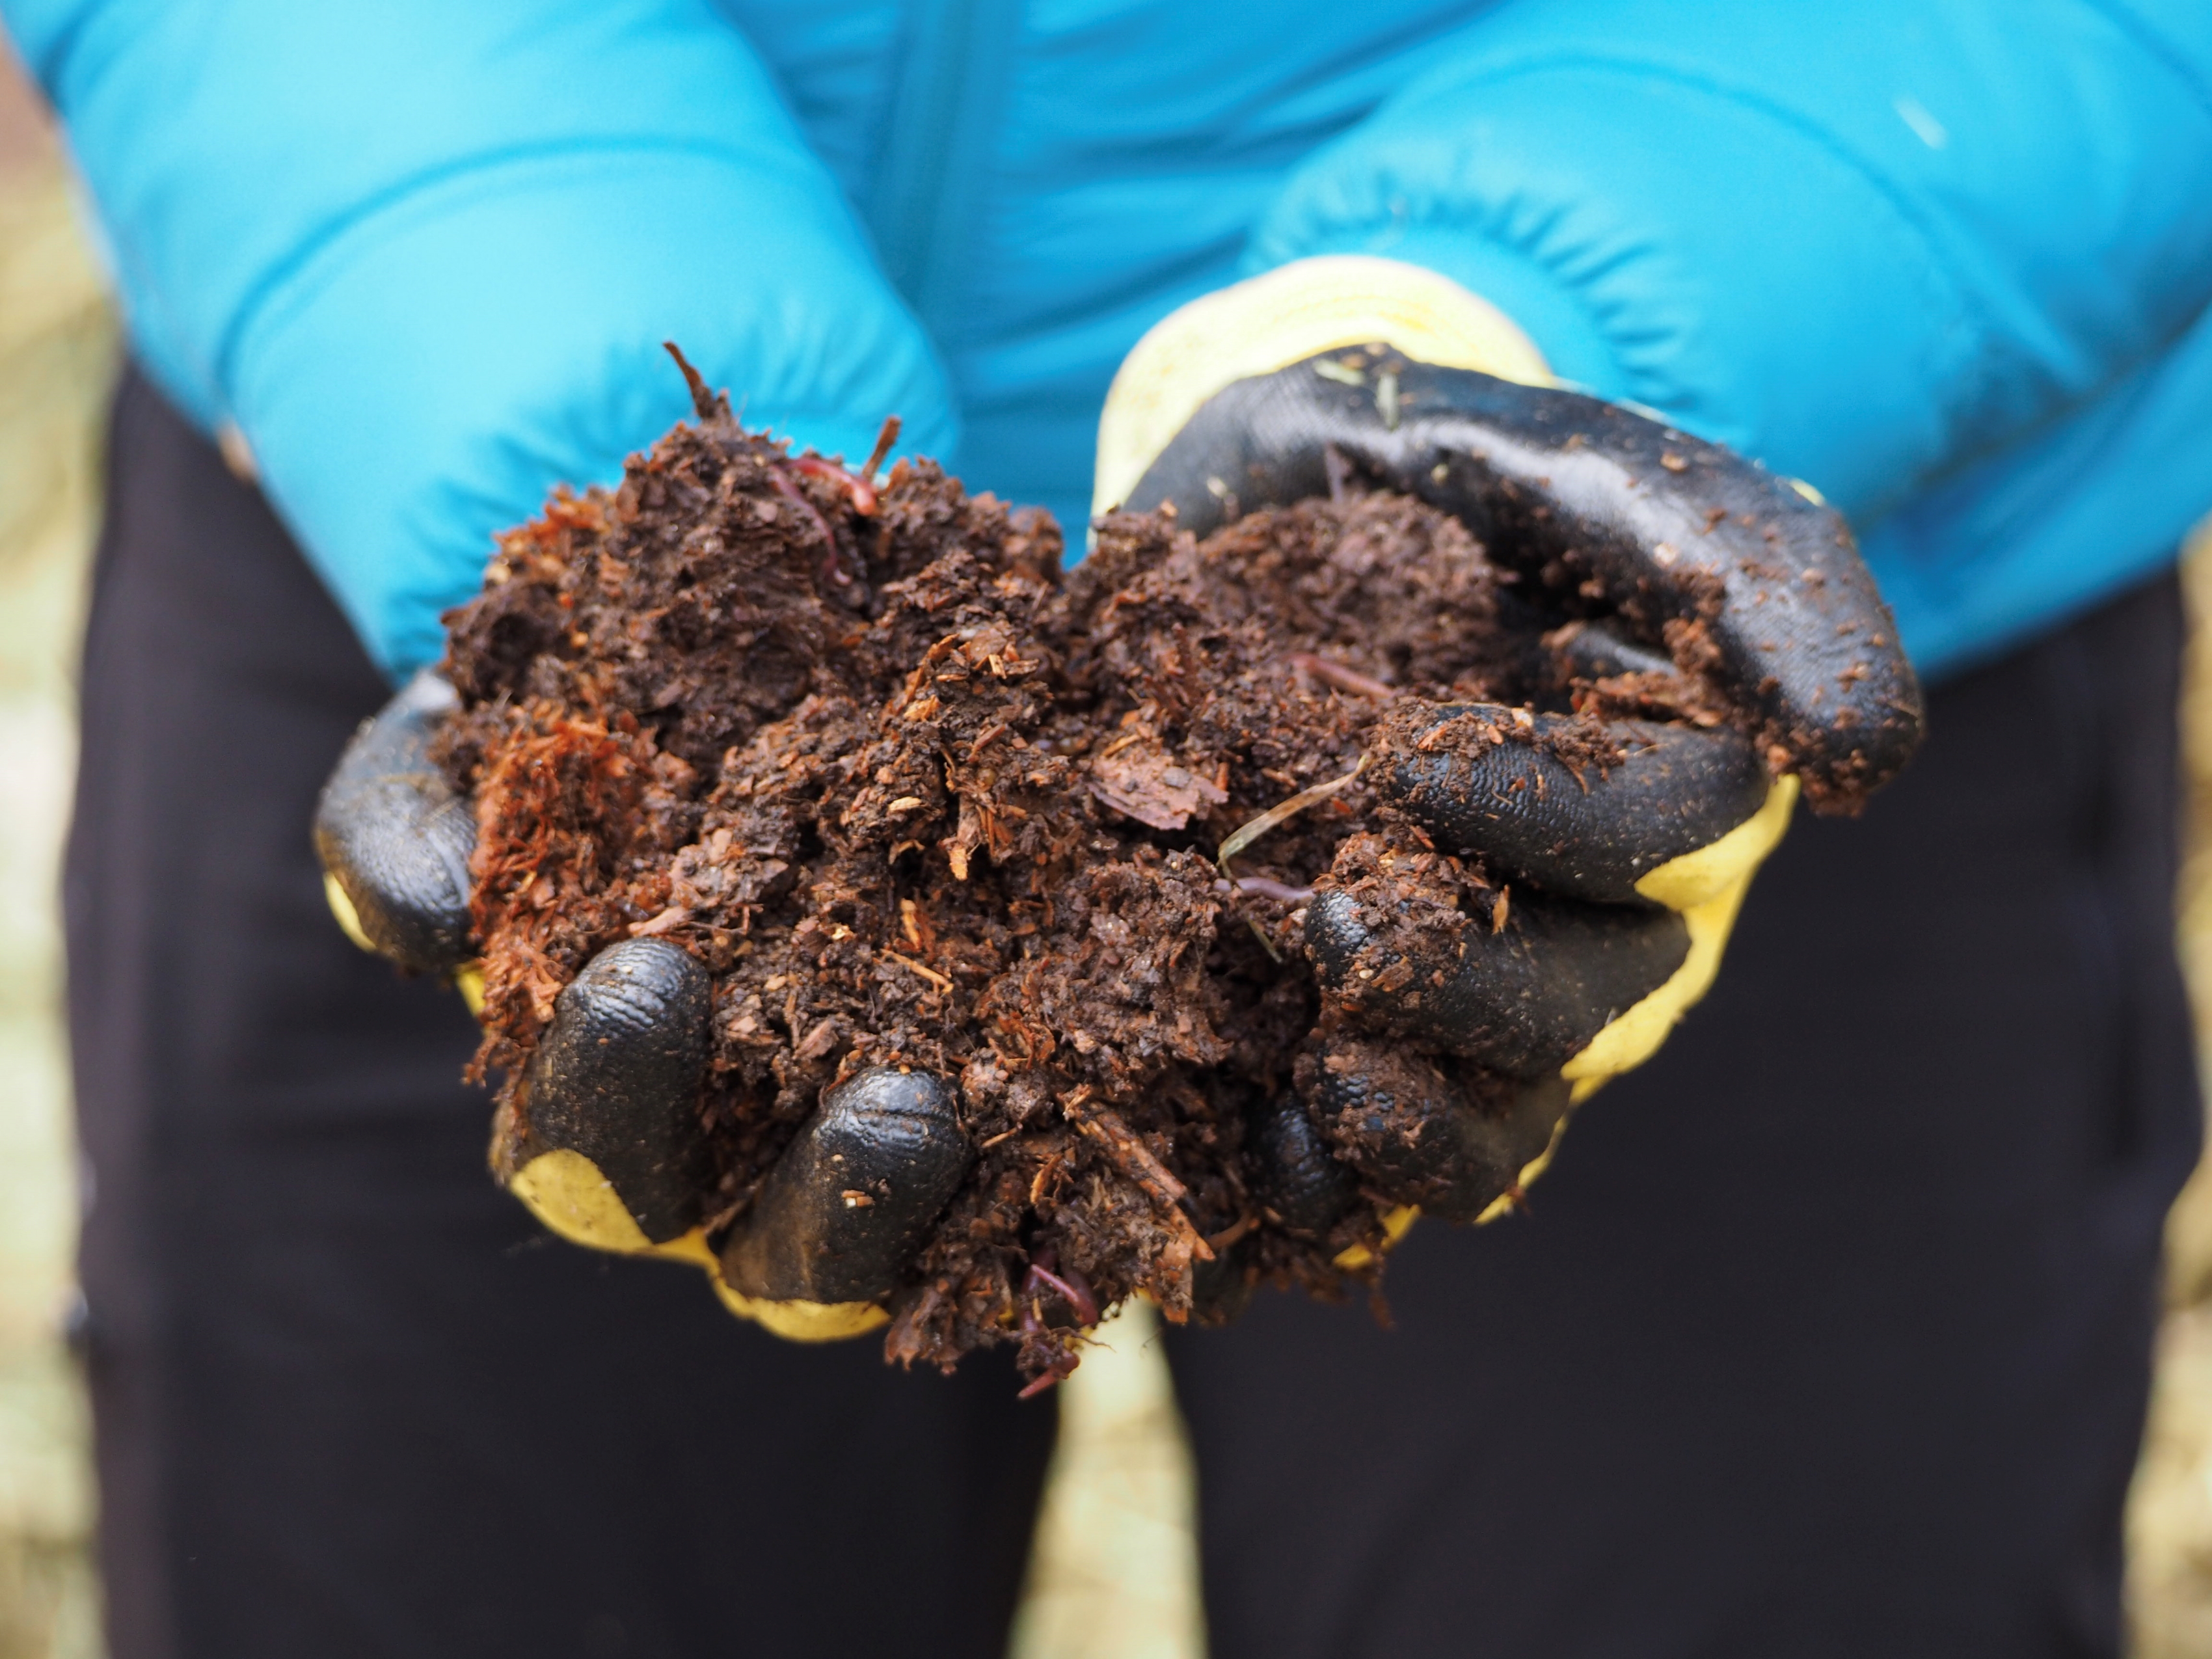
<point>915,799</point>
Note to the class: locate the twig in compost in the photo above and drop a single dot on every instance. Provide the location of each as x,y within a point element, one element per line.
<point>1247,833</point>
<point>674,916</point>
<point>1266,944</point>
<point>885,439</point>
<point>702,396</point>
<point>1336,674</point>
<point>929,974</point>
<point>1104,1125</point>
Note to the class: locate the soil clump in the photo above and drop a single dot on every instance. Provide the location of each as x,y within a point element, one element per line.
<point>915,798</point>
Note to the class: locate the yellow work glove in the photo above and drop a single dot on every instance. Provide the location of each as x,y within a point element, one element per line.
<point>603,1139</point>
<point>1452,1046</point>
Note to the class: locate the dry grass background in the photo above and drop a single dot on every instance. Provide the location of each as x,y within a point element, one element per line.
<point>1114,1576</point>
<point>2170,1516</point>
<point>57,354</point>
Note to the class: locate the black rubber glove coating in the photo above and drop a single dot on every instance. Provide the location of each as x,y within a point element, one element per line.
<point>1523,1000</point>
<point>1295,1173</point>
<point>396,838</point>
<point>1659,525</point>
<point>1417,1135</point>
<point>844,1208</point>
<point>1489,785</point>
<point>615,1077</point>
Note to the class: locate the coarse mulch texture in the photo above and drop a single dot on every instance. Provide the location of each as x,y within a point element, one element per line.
<point>915,798</point>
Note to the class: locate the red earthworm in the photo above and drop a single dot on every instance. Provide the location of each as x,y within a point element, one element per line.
<point>832,566</point>
<point>858,488</point>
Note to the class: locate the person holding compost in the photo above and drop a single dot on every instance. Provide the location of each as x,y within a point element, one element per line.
<point>1828,1328</point>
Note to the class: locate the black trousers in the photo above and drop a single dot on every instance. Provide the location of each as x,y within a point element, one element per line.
<point>1828,1335</point>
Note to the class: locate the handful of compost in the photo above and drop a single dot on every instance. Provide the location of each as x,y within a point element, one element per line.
<point>908,934</point>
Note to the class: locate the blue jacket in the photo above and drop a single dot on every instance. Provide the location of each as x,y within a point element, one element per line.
<point>1947,259</point>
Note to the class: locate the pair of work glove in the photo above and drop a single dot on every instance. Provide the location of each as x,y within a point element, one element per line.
<point>1625,883</point>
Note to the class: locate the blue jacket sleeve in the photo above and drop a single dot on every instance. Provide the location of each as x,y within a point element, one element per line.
<point>424,255</point>
<point>1929,255</point>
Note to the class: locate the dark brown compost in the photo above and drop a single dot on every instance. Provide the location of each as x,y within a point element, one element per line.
<point>915,798</point>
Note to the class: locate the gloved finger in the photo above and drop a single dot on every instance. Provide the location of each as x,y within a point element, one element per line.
<point>1520,996</point>
<point>1294,1172</point>
<point>1452,1145</point>
<point>1531,794</point>
<point>1602,506</point>
<point>839,1219</point>
<point>604,1140</point>
<point>395,838</point>
<point>1299,1183</point>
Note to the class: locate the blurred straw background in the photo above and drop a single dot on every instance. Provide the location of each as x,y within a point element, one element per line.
<point>1114,1576</point>
<point>2170,1514</point>
<point>57,355</point>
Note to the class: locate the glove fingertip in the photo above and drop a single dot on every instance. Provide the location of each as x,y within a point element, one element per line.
<point>843,1211</point>
<point>1581,811</point>
<point>1294,1172</point>
<point>616,1079</point>
<point>395,838</point>
<point>1451,1144</point>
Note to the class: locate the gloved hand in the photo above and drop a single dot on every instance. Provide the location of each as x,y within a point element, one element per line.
<point>1619,875</point>
<point>603,1139</point>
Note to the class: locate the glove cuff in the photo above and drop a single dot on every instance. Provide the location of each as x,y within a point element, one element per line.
<point>1270,321</point>
<point>1707,888</point>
